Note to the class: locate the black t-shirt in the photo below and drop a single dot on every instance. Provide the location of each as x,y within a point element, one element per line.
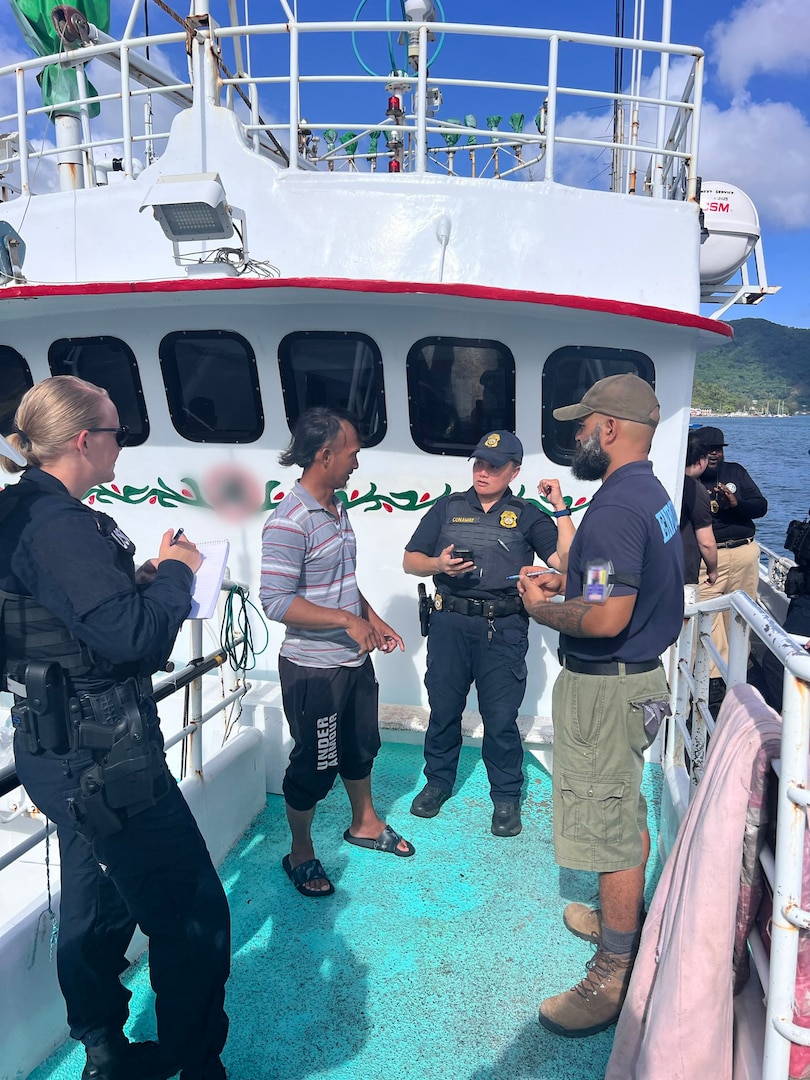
<point>695,514</point>
<point>736,524</point>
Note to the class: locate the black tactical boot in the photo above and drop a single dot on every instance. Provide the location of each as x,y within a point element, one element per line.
<point>115,1058</point>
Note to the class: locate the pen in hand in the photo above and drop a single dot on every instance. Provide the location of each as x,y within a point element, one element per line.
<point>176,537</point>
<point>534,573</point>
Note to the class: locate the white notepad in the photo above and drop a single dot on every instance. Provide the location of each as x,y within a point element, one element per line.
<point>207,582</point>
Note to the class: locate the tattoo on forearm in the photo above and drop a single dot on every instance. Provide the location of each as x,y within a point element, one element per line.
<point>567,617</point>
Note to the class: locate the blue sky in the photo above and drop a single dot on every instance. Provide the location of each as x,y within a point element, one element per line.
<point>756,121</point>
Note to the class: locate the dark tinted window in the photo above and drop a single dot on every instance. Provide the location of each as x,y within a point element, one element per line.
<point>212,386</point>
<point>568,374</point>
<point>458,390</point>
<point>338,369</point>
<point>107,362</point>
<point>15,379</point>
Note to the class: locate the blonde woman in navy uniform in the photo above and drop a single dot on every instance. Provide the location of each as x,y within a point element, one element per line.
<point>81,634</point>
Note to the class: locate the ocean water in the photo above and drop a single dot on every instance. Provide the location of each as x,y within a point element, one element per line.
<point>776,453</point>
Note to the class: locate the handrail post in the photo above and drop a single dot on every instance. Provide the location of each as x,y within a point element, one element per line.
<point>738,647</point>
<point>551,112</point>
<point>295,104</point>
<point>126,118</point>
<point>697,104</point>
<point>253,93</point>
<point>195,699</point>
<point>22,129</point>
<point>790,826</point>
<point>421,102</point>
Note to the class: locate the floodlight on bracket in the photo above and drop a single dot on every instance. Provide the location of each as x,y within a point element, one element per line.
<point>192,207</point>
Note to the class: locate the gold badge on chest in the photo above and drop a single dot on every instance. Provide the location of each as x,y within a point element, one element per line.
<point>508,519</point>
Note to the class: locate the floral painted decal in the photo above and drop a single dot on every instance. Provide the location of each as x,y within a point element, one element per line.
<point>188,493</point>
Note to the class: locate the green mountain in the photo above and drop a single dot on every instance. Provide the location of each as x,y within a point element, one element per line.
<point>765,369</point>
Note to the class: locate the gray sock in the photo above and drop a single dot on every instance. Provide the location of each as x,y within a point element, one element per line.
<point>614,941</point>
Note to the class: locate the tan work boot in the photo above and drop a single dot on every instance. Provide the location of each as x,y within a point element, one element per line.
<point>584,922</point>
<point>593,1004</point>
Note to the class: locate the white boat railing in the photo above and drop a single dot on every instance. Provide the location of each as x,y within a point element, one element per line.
<point>190,734</point>
<point>687,736</point>
<point>411,137</point>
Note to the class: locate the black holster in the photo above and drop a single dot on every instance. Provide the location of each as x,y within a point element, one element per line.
<point>425,609</point>
<point>132,776</point>
<point>132,773</point>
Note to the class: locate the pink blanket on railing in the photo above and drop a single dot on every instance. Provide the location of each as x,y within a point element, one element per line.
<point>677,1021</point>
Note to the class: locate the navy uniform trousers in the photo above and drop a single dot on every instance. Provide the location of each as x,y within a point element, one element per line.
<point>156,873</point>
<point>461,650</point>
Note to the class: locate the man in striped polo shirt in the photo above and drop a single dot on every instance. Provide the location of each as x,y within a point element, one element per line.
<point>327,679</point>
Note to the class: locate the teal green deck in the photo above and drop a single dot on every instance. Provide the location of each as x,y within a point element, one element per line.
<point>429,967</point>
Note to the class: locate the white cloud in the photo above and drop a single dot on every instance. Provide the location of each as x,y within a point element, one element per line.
<point>764,148</point>
<point>762,36</point>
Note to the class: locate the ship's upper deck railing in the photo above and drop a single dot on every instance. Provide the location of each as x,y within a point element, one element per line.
<point>644,134</point>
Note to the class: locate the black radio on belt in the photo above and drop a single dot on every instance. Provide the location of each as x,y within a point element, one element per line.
<point>41,718</point>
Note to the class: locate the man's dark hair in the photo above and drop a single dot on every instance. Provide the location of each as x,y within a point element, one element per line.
<point>314,429</point>
<point>696,448</point>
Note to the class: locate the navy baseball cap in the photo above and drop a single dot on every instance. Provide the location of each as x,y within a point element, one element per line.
<point>497,448</point>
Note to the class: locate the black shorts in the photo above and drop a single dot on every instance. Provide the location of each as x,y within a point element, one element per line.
<point>332,713</point>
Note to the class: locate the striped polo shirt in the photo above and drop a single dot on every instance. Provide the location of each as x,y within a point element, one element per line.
<point>307,552</point>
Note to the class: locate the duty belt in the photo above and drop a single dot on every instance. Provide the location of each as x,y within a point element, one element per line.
<point>490,609</point>
<point>608,667</point>
<point>736,543</point>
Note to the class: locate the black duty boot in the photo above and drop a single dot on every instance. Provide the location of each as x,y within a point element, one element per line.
<point>506,819</point>
<point>429,801</point>
<point>115,1058</point>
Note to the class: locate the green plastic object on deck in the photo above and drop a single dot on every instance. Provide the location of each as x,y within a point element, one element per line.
<point>373,139</point>
<point>330,137</point>
<point>59,84</point>
<point>470,121</point>
<point>516,122</point>
<point>451,137</point>
<point>349,142</point>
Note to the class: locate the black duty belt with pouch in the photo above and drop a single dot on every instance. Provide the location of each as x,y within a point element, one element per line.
<point>489,609</point>
<point>130,772</point>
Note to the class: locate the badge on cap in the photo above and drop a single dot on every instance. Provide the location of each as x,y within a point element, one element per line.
<point>492,440</point>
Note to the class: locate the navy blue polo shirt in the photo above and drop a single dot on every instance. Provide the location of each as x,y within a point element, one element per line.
<point>510,543</point>
<point>631,521</point>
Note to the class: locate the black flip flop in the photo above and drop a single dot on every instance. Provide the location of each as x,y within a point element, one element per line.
<point>304,873</point>
<point>387,842</point>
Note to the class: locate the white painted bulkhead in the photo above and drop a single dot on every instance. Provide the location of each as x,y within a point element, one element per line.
<point>264,316</point>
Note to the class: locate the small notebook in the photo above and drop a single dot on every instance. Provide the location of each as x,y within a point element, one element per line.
<point>207,582</point>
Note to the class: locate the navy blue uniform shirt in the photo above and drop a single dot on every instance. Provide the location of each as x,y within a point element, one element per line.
<point>51,548</point>
<point>631,521</point>
<point>533,530</point>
